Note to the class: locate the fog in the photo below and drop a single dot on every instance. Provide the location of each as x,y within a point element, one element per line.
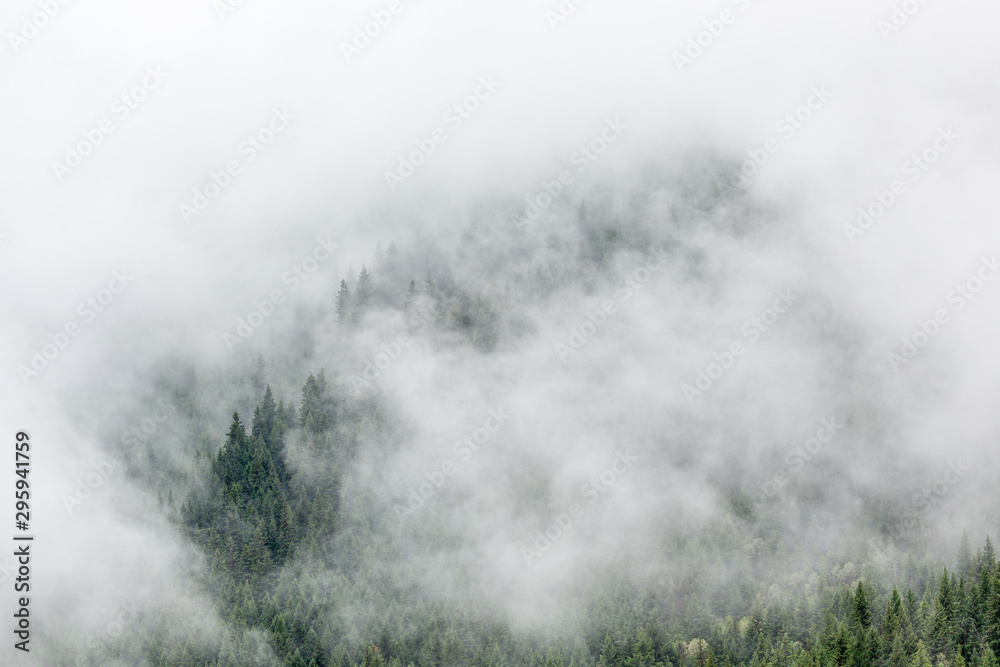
<point>702,255</point>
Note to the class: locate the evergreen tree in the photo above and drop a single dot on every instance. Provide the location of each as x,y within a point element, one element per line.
<point>372,657</point>
<point>988,559</point>
<point>897,654</point>
<point>921,659</point>
<point>343,303</point>
<point>862,615</point>
<point>912,609</point>
<point>943,620</point>
<point>363,293</point>
<point>318,410</point>
<point>964,559</point>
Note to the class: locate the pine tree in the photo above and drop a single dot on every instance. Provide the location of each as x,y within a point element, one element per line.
<point>964,558</point>
<point>892,621</point>
<point>992,606</point>
<point>964,624</point>
<point>864,647</point>
<point>231,459</point>
<point>921,659</point>
<point>317,411</point>
<point>362,293</point>
<point>257,428</point>
<point>862,614</point>
<point>269,411</point>
<point>343,303</point>
<point>989,557</point>
<point>897,654</point>
<point>943,620</point>
<point>643,651</point>
<point>912,609</point>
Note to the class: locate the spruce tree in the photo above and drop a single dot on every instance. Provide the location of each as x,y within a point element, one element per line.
<point>964,557</point>
<point>343,303</point>
<point>943,620</point>
<point>892,622</point>
<point>862,614</point>
<point>363,293</point>
<point>921,659</point>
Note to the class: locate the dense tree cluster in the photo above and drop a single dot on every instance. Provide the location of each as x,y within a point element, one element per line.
<point>272,535</point>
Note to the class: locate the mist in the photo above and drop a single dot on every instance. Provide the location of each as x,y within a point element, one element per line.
<point>715,291</point>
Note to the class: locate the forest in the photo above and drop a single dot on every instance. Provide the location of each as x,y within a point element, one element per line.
<point>288,552</point>
<point>292,509</point>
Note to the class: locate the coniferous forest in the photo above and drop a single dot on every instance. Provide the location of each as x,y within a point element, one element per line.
<point>310,558</point>
<point>510,333</point>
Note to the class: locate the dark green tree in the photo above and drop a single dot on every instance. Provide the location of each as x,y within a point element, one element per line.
<point>343,303</point>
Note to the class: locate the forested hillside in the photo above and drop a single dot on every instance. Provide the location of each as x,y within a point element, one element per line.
<point>317,549</point>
